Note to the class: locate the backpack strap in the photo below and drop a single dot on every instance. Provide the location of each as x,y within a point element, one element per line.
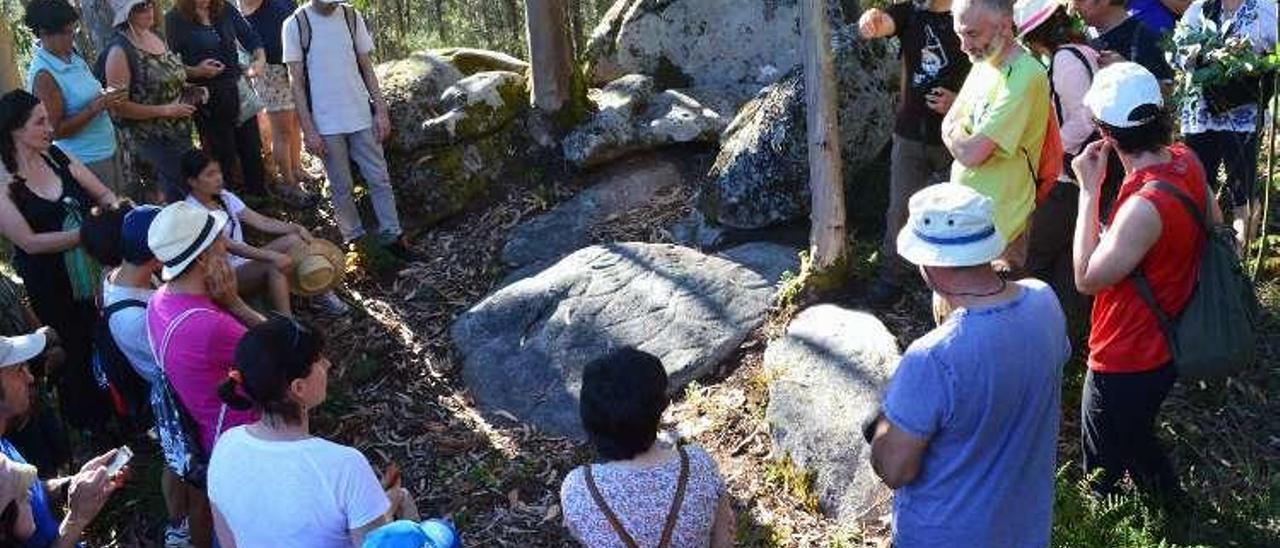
<point>304,40</point>
<point>1140,282</point>
<point>1057,101</point>
<point>121,305</point>
<point>673,514</point>
<point>164,347</point>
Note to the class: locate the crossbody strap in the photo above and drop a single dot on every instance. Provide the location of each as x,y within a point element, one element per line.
<point>121,305</point>
<point>1140,282</point>
<point>673,514</point>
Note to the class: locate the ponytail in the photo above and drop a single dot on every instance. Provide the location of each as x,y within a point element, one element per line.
<point>229,392</point>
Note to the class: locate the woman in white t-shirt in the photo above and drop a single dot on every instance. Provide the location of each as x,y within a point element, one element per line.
<point>257,268</point>
<point>271,483</point>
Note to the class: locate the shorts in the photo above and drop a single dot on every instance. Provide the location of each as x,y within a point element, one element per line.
<point>273,88</point>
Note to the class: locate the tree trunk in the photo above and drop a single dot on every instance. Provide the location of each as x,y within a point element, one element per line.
<point>95,20</point>
<point>9,77</point>
<point>827,238</point>
<point>550,54</point>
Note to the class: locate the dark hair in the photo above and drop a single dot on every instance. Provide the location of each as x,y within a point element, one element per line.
<point>15,111</point>
<point>102,233</point>
<point>1055,32</point>
<point>623,396</point>
<point>188,9</point>
<point>270,356</point>
<point>48,16</point>
<point>1151,136</point>
<point>193,162</point>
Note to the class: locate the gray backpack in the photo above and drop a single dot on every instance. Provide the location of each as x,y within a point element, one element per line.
<point>1215,335</point>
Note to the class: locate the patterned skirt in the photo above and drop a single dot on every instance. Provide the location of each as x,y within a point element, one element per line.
<point>273,88</point>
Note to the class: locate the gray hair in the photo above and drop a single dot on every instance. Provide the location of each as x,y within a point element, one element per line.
<point>1001,7</point>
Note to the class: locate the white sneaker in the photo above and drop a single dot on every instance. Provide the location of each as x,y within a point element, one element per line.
<point>177,536</point>
<point>329,303</point>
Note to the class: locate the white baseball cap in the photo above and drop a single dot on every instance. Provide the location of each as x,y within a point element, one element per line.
<point>17,350</point>
<point>950,225</point>
<point>180,232</point>
<point>1118,92</point>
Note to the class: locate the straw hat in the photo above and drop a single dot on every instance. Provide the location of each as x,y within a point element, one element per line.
<point>950,225</point>
<point>180,233</point>
<point>317,267</point>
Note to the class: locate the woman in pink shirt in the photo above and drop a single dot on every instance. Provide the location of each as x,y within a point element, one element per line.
<point>195,320</point>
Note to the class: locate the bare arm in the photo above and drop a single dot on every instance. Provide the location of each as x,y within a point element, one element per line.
<point>1101,262</point>
<point>47,90</point>
<point>89,182</point>
<point>726,524</point>
<point>14,227</point>
<point>241,249</point>
<point>266,224</point>
<point>969,150</point>
<point>226,539</point>
<point>357,535</point>
<point>371,81</point>
<point>896,455</point>
<point>118,77</point>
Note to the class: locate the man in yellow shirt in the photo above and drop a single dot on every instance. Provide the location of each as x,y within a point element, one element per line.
<point>996,127</point>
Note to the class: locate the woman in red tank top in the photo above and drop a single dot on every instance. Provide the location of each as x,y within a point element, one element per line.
<point>1149,231</point>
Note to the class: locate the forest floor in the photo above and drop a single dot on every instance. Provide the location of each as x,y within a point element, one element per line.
<point>396,394</point>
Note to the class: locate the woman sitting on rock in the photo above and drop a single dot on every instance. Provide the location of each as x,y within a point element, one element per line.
<point>643,492</point>
<point>256,267</point>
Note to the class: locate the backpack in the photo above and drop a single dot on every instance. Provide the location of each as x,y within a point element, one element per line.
<point>119,40</point>
<point>123,386</point>
<point>177,430</point>
<point>1045,174</point>
<point>1215,335</point>
<point>304,39</point>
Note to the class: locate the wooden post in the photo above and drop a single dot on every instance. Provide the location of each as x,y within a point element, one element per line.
<point>10,78</point>
<point>827,236</point>
<point>550,54</point>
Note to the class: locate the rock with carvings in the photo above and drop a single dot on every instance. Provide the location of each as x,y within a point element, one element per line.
<point>826,375</point>
<point>525,345</point>
<point>412,87</point>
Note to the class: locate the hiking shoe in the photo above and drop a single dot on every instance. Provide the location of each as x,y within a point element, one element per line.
<point>177,536</point>
<point>329,303</point>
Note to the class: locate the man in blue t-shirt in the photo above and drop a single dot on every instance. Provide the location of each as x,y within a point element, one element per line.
<point>85,492</point>
<point>967,433</point>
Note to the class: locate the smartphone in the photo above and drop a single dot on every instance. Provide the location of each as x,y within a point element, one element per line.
<point>123,456</point>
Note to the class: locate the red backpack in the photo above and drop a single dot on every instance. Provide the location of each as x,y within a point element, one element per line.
<point>1051,152</point>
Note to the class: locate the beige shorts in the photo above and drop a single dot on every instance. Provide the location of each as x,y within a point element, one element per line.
<point>273,89</point>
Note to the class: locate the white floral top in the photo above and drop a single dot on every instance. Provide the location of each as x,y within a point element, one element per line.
<point>1254,19</point>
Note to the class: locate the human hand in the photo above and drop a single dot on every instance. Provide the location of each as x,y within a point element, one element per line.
<point>381,124</point>
<point>940,99</point>
<point>875,24</point>
<point>256,68</point>
<point>281,261</point>
<point>315,143</point>
<point>88,492</point>
<point>1091,165</point>
<point>209,68</point>
<point>220,282</point>
<point>303,233</point>
<point>179,110</point>
<point>107,99</point>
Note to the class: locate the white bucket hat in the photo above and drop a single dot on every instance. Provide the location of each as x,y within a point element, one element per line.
<point>950,225</point>
<point>1029,14</point>
<point>16,350</point>
<point>1118,91</point>
<point>180,232</point>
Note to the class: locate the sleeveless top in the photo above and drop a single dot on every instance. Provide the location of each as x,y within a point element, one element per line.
<point>162,79</point>
<point>96,141</point>
<point>1125,337</point>
<point>66,273</point>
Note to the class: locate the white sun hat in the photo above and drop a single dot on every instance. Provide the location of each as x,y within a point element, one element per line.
<point>180,232</point>
<point>950,225</point>
<point>1029,14</point>
<point>17,350</point>
<point>1119,92</point>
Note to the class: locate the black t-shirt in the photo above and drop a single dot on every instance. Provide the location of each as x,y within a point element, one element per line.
<point>931,57</point>
<point>1135,41</point>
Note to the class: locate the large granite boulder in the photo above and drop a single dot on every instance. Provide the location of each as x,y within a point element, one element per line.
<point>761,176</point>
<point>471,60</point>
<point>525,345</point>
<point>700,42</point>
<point>476,106</point>
<point>826,376</point>
<point>631,117</point>
<point>412,87</point>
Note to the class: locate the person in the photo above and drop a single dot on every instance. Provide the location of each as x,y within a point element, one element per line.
<point>1149,232</point>
<point>967,434</point>
<point>1158,15</point>
<point>117,238</point>
<point>38,434</point>
<point>41,213</point>
<point>267,19</point>
<point>194,322</point>
<point>996,128</point>
<point>206,33</point>
<point>1230,139</point>
<point>344,120</point>
<point>155,118</point>
<point>632,493</point>
<point>85,492</point>
<point>78,105</point>
<point>1046,30</point>
<point>261,473</point>
<point>257,268</point>
<point>16,480</point>
<point>1118,36</point>
<point>933,68</point>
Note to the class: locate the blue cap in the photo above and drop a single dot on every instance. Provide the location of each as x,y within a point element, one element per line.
<point>433,533</point>
<point>133,232</point>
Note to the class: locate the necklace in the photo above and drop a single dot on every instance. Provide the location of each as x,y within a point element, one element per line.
<point>997,291</point>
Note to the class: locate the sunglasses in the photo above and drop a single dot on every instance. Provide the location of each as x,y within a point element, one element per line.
<point>140,7</point>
